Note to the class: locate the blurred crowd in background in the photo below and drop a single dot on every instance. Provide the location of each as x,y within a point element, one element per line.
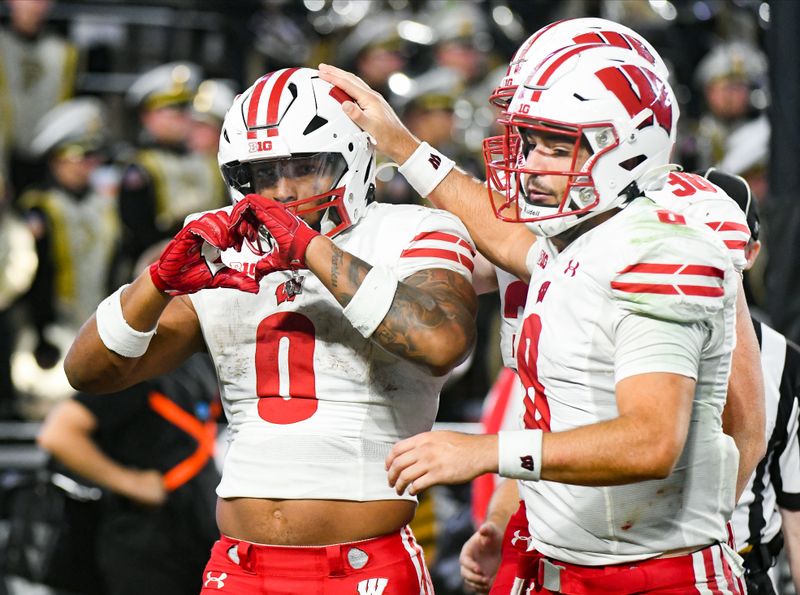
<point>110,113</point>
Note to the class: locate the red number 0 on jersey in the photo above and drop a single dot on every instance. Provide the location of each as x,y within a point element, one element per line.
<point>285,368</point>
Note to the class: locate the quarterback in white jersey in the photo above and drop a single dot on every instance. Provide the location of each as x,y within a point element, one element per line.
<point>625,346</point>
<point>332,322</point>
<point>622,300</point>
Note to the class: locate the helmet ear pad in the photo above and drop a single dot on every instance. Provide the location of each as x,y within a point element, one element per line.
<point>292,112</point>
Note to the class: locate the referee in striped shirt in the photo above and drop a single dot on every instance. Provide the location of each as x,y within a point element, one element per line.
<point>767,516</point>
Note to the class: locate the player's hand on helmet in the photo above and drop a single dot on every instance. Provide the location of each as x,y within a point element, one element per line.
<point>190,262</point>
<point>480,557</point>
<point>290,233</point>
<point>372,113</point>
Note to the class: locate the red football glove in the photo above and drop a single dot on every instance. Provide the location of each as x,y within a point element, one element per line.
<point>184,268</point>
<point>291,234</point>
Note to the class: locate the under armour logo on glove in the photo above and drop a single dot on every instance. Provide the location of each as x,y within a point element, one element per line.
<point>219,581</point>
<point>526,462</point>
<point>435,160</point>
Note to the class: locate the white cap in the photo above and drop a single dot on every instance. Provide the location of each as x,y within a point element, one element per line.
<point>747,147</point>
<point>213,98</point>
<point>169,84</point>
<point>80,121</point>
<point>735,59</point>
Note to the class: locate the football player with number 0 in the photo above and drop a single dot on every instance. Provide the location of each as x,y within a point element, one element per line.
<point>333,322</point>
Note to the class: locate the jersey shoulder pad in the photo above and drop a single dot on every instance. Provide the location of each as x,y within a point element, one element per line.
<point>669,267</point>
<point>431,239</point>
<point>696,197</point>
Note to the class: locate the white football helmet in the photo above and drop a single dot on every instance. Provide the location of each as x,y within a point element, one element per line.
<point>290,123</point>
<point>606,99</point>
<point>565,33</point>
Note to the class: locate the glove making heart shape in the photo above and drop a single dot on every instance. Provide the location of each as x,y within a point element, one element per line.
<point>191,261</point>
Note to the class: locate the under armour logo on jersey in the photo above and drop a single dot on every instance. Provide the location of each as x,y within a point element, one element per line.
<point>526,462</point>
<point>219,581</point>
<point>572,267</point>
<point>435,160</point>
<point>543,258</point>
<point>517,537</point>
<point>372,586</point>
<point>542,290</point>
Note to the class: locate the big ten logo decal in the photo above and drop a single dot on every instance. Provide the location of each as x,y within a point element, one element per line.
<point>260,145</point>
<point>248,268</point>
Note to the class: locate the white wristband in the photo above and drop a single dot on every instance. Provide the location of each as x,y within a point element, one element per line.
<point>519,454</point>
<point>115,333</point>
<point>372,300</point>
<point>426,168</point>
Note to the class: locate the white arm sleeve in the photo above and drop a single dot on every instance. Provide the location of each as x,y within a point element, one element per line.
<point>645,344</point>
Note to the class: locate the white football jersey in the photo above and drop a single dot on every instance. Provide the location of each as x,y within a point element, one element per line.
<point>689,194</point>
<point>693,196</point>
<point>513,294</point>
<point>313,407</point>
<point>646,268</point>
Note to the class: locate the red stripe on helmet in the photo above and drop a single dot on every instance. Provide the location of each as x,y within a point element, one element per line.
<point>556,64</point>
<point>275,96</point>
<point>255,99</point>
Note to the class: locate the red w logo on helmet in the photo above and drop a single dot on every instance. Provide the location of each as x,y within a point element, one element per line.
<point>638,89</point>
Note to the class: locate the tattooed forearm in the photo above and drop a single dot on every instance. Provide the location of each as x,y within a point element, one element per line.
<point>344,287</point>
<point>336,264</point>
<point>432,315</point>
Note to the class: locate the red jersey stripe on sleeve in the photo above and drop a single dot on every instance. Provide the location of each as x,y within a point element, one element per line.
<point>736,244</point>
<point>444,237</point>
<point>439,253</point>
<point>728,226</point>
<point>670,269</point>
<point>661,289</point>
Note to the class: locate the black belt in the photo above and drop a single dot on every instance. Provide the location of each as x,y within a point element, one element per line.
<point>760,557</point>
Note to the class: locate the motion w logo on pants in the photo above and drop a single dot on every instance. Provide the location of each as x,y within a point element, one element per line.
<point>372,586</point>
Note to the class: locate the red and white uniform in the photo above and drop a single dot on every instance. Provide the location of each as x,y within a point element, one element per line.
<point>647,291</point>
<point>391,563</point>
<point>313,407</point>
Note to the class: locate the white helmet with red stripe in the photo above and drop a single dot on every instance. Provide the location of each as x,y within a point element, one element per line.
<point>290,123</point>
<point>605,99</point>
<point>565,33</point>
